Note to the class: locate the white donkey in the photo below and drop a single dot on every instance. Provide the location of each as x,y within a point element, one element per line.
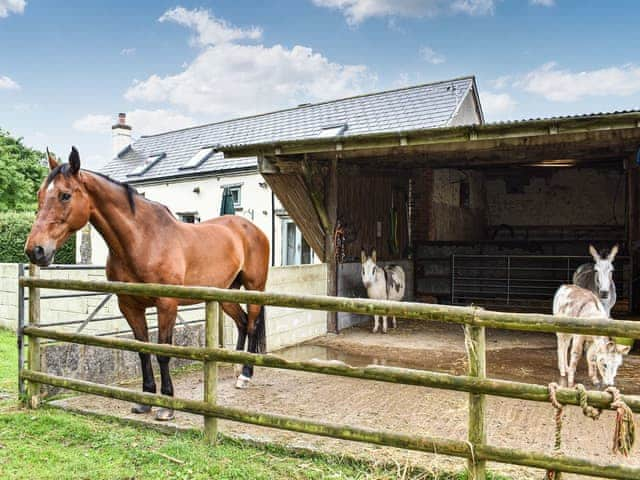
<point>604,356</point>
<point>382,283</point>
<point>598,277</point>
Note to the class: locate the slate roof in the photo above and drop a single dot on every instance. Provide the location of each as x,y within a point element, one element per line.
<point>423,106</point>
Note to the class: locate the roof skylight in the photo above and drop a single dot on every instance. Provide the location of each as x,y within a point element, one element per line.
<point>148,163</point>
<point>333,131</point>
<point>200,156</point>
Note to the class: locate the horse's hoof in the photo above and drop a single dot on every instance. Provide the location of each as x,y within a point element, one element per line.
<point>384,330</point>
<point>165,414</point>
<point>242,382</point>
<point>375,330</point>
<point>139,408</point>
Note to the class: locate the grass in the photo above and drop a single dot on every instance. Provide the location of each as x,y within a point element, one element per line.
<point>53,444</point>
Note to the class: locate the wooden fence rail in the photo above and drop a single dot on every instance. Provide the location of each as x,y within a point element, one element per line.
<point>475,383</point>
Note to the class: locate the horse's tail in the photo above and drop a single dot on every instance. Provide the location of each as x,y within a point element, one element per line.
<point>261,332</point>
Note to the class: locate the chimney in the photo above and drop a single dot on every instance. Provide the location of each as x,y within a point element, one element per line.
<point>120,134</point>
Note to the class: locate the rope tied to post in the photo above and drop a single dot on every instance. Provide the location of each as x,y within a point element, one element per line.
<point>624,436</point>
<point>624,430</point>
<point>559,410</point>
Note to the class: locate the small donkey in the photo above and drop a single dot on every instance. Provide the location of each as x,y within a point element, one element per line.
<point>382,283</point>
<point>604,356</point>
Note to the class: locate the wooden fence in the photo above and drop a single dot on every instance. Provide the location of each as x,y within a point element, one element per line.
<point>475,450</point>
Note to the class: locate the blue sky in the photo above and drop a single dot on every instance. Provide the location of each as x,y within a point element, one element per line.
<point>67,68</point>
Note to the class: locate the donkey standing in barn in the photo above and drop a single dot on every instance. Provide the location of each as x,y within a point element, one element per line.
<point>598,277</point>
<point>382,283</point>
<point>604,356</point>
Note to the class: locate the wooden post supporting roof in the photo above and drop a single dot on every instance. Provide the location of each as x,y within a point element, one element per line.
<point>633,226</point>
<point>331,206</point>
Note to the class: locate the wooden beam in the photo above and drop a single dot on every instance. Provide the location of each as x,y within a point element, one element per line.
<point>317,197</point>
<point>331,204</point>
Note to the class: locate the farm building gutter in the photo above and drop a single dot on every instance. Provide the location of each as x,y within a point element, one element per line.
<point>496,132</point>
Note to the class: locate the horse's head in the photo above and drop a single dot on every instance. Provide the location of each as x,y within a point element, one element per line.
<point>63,209</point>
<point>369,268</point>
<point>603,270</point>
<point>608,358</point>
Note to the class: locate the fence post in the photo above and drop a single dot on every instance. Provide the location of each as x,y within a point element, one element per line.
<point>212,321</point>
<point>33,388</point>
<point>476,351</point>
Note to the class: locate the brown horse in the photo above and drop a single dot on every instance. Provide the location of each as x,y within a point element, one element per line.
<point>147,244</point>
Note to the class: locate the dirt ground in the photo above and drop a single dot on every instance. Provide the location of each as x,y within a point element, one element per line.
<point>402,408</point>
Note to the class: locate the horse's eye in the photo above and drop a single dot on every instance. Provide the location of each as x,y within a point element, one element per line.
<point>65,196</point>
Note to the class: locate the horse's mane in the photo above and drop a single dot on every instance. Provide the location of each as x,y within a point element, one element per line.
<point>130,191</point>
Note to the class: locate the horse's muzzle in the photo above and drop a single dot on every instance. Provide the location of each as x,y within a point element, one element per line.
<point>38,255</point>
<point>603,295</point>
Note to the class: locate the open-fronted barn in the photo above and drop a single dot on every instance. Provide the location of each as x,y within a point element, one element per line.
<point>491,214</point>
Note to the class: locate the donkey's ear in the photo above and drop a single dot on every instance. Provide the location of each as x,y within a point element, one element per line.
<point>611,347</point>
<point>594,253</point>
<point>613,253</point>
<point>74,160</point>
<point>623,349</point>
<point>363,256</point>
<point>373,255</point>
<point>53,163</point>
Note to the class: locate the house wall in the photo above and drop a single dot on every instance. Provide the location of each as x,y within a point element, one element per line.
<point>203,195</point>
<point>467,114</point>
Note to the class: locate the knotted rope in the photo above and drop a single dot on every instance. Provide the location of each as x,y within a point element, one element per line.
<point>624,435</point>
<point>624,431</point>
<point>557,446</point>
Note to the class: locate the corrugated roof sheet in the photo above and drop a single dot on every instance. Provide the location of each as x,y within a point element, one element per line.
<point>424,106</point>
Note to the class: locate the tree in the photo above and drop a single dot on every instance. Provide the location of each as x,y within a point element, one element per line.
<point>21,172</point>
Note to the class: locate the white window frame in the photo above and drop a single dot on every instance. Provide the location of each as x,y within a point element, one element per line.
<point>284,238</point>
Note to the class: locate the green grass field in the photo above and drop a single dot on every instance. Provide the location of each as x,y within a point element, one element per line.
<point>49,443</point>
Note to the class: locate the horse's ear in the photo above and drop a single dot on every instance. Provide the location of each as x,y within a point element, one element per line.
<point>363,256</point>
<point>594,253</point>
<point>74,160</point>
<point>613,253</point>
<point>373,255</point>
<point>51,158</point>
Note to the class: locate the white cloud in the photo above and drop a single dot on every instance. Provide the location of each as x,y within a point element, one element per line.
<point>431,56</point>
<point>230,79</point>
<point>210,30</point>
<point>560,85</point>
<point>8,84</point>
<point>357,11</point>
<point>543,3</point>
<point>143,122</point>
<point>7,7</point>
<point>127,52</point>
<point>501,82</point>
<point>497,106</point>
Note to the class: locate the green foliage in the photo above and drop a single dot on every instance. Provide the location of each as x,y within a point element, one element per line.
<point>14,229</point>
<point>21,173</point>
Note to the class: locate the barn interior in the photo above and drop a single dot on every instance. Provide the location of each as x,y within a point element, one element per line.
<point>493,215</point>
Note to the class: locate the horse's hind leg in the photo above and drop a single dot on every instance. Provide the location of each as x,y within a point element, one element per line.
<point>137,321</point>
<point>238,315</point>
<point>167,311</point>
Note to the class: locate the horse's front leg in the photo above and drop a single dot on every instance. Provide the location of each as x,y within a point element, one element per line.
<point>167,311</point>
<point>384,323</point>
<point>375,324</point>
<point>136,319</point>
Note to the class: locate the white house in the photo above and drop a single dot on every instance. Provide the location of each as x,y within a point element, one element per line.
<point>183,169</point>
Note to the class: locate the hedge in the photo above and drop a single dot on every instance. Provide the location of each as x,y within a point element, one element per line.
<point>14,229</point>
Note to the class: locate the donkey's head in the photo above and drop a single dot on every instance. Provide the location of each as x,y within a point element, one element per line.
<point>608,358</point>
<point>369,268</point>
<point>63,209</point>
<point>603,271</point>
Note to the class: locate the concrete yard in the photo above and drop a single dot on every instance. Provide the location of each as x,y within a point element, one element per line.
<point>400,408</point>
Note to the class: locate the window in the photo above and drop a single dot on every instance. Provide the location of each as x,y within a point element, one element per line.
<point>148,163</point>
<point>200,156</point>
<point>188,217</point>
<point>295,249</point>
<point>333,131</point>
<point>236,193</point>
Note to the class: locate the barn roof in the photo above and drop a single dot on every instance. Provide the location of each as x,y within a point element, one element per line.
<point>420,107</point>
